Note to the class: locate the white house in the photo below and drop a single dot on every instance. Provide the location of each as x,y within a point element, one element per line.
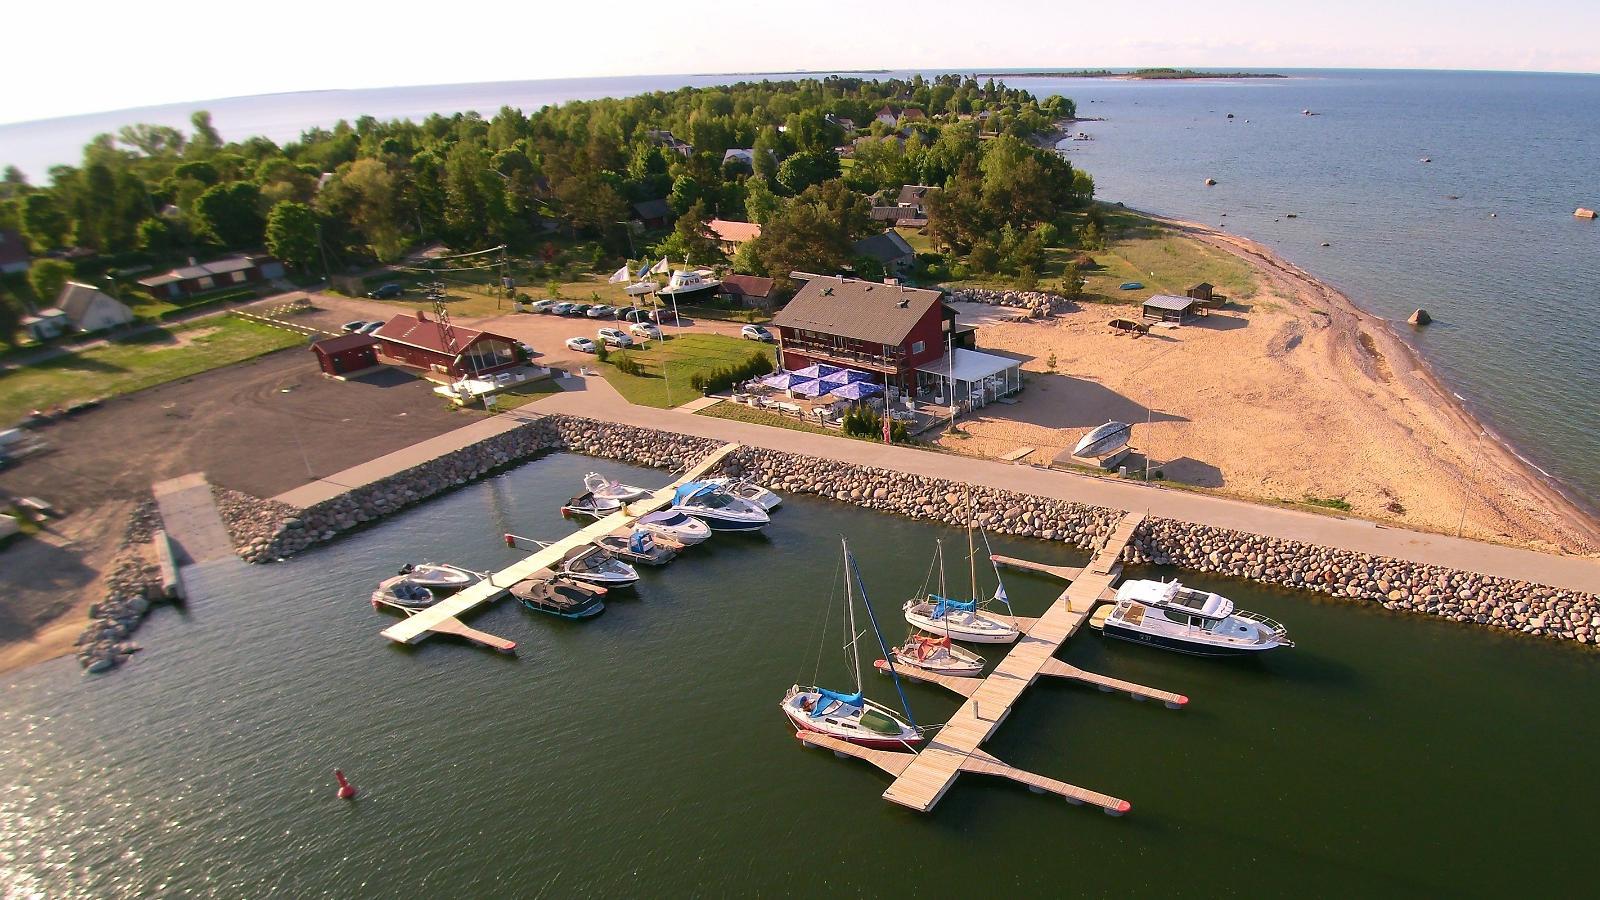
<point>91,310</point>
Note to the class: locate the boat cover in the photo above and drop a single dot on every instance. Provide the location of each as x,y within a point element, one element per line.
<point>847,699</point>
<point>943,605</point>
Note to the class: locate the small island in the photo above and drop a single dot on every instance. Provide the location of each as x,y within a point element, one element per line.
<point>1157,74</point>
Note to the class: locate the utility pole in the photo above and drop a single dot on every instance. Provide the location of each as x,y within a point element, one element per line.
<point>326,275</point>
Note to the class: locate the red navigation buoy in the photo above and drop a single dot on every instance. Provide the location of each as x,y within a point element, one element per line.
<point>347,791</point>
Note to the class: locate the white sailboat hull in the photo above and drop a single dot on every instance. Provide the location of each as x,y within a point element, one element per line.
<point>971,628</point>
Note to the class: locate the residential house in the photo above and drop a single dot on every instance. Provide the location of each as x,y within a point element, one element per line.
<point>908,210</point>
<point>888,115</point>
<point>652,213</point>
<point>198,278</point>
<point>89,309</point>
<point>848,125</point>
<point>415,340</point>
<point>746,156</point>
<point>14,256</point>
<point>889,249</point>
<point>669,141</point>
<point>47,324</point>
<point>751,291</point>
<point>346,353</point>
<point>883,328</point>
<point>732,235</point>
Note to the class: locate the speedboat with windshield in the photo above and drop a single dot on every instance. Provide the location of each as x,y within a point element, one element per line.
<point>439,577</point>
<point>587,504</point>
<point>745,489</point>
<point>595,566</point>
<point>720,510</point>
<point>603,488</point>
<point>1168,615</point>
<point>680,528</point>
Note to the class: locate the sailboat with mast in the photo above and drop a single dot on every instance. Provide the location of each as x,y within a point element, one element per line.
<point>851,716</point>
<point>964,620</point>
<point>936,652</point>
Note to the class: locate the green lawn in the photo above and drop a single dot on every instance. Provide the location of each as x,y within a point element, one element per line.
<point>679,358</point>
<point>738,412</point>
<point>527,392</point>
<point>139,362</point>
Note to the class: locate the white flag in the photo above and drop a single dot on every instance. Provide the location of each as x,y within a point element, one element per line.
<point>620,276</point>
<point>1000,595</point>
<point>661,268</point>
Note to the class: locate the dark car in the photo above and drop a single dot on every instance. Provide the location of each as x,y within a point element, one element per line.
<point>579,309</point>
<point>636,314</point>
<point>665,316</point>
<point>387,292</point>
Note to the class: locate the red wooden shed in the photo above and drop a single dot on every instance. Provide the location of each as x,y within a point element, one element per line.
<point>346,353</point>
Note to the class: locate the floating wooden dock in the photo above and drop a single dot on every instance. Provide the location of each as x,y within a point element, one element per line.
<point>922,778</point>
<point>441,617</point>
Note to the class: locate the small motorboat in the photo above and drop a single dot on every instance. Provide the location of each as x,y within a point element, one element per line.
<point>587,504</point>
<point>960,620</point>
<point>937,654</point>
<point>720,510</point>
<point>595,566</point>
<point>603,488</point>
<point>684,530</point>
<point>1168,615</point>
<point>638,546</point>
<point>560,596</point>
<point>1104,441</point>
<point>1131,285</point>
<point>401,593</point>
<point>749,490</point>
<point>438,577</point>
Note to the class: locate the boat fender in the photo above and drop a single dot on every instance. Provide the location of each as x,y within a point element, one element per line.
<point>347,791</point>
<point>511,539</point>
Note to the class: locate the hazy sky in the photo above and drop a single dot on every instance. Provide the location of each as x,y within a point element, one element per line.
<point>58,60</point>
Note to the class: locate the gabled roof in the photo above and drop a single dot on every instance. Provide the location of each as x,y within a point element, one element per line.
<point>883,247</point>
<point>343,342</point>
<point>735,232</point>
<point>852,308</point>
<point>1169,302</point>
<point>12,248</point>
<point>417,330</point>
<point>746,285</point>
<point>77,299</point>
<point>200,270</point>
<point>914,194</point>
<point>652,209</point>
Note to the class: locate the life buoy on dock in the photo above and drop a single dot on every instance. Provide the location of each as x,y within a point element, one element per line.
<point>347,791</point>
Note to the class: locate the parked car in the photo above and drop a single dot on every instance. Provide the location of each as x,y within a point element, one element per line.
<point>634,314</point>
<point>664,316</point>
<point>601,311</point>
<point>561,309</point>
<point>353,327</point>
<point>581,344</point>
<point>645,330</point>
<point>386,292</point>
<point>615,337</point>
<point>370,327</point>
<point>541,306</point>
<point>579,309</point>
<point>756,333</point>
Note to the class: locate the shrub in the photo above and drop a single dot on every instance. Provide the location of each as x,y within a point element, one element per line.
<point>698,381</point>
<point>864,422</point>
<point>601,351</point>
<point>627,365</point>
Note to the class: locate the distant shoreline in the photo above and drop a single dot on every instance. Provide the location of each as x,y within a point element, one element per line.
<point>1134,75</point>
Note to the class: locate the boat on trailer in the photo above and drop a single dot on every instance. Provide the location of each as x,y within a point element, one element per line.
<point>850,716</point>
<point>936,653</point>
<point>1168,615</point>
<point>603,488</point>
<point>403,594</point>
<point>748,490</point>
<point>680,528</point>
<point>638,546</point>
<point>595,566</point>
<point>720,510</point>
<point>587,504</point>
<point>560,596</point>
<point>440,577</point>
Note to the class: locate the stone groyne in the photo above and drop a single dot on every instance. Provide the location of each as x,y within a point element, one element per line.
<point>132,583</point>
<point>264,530</point>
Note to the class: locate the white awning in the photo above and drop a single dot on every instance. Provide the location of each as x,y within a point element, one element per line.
<point>969,365</point>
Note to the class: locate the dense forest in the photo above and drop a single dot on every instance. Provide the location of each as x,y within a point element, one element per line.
<point>369,191</point>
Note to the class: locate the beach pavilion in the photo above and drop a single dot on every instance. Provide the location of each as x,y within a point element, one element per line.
<point>971,377</point>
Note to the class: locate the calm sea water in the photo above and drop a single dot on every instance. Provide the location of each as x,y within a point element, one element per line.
<point>642,753</point>
<point>1512,278</point>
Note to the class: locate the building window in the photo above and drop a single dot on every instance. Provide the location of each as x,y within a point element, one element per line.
<point>238,277</point>
<point>207,283</point>
<point>918,347</point>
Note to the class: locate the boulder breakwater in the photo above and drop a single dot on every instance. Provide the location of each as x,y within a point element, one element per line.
<point>265,531</point>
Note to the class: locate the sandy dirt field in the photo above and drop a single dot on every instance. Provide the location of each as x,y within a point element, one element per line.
<point>1290,394</point>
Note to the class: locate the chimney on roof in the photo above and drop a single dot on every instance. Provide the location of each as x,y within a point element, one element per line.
<point>422,316</point>
<point>193,261</point>
<point>903,303</point>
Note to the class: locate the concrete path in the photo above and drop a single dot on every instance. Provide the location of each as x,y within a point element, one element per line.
<point>189,514</point>
<point>1571,572</point>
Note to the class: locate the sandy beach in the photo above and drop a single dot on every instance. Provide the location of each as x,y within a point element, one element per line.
<point>1290,394</point>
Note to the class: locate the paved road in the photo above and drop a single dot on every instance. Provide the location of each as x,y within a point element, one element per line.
<point>593,398</point>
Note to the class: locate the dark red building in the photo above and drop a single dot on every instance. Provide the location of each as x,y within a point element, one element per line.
<point>416,340</point>
<point>346,353</point>
<point>864,325</point>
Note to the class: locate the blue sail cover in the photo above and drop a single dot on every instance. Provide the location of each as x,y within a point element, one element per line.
<point>944,605</point>
<point>639,542</point>
<point>847,699</point>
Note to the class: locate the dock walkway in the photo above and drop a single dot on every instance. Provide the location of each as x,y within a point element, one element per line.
<point>441,617</point>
